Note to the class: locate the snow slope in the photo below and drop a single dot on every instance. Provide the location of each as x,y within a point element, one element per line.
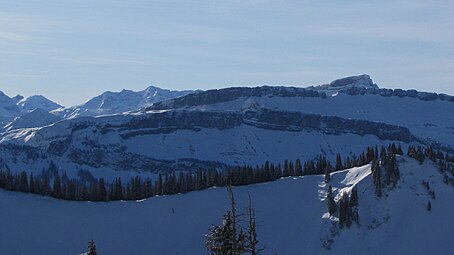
<point>395,224</point>
<point>36,118</point>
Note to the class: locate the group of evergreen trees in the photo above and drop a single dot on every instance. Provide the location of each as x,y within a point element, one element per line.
<point>385,171</point>
<point>444,161</point>
<point>347,207</point>
<point>384,164</point>
<point>50,183</point>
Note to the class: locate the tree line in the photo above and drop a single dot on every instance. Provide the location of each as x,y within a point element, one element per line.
<point>51,183</point>
<point>444,161</point>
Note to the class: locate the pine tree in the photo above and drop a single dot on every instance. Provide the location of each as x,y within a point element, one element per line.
<point>23,182</point>
<point>227,239</point>
<point>376,176</point>
<point>32,184</point>
<point>56,188</point>
<point>91,248</point>
<point>339,165</point>
<point>286,172</point>
<point>327,175</point>
<point>252,241</point>
<point>102,192</point>
<point>218,240</point>
<point>298,168</point>
<point>354,201</point>
<point>236,245</point>
<point>332,207</point>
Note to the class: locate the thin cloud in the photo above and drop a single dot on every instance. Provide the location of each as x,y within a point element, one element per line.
<point>15,75</point>
<point>15,37</point>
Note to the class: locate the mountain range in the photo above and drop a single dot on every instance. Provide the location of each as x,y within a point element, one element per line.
<point>158,131</point>
<point>17,109</point>
<point>127,136</point>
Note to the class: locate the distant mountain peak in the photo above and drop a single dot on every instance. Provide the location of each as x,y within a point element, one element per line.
<point>37,101</point>
<point>17,98</point>
<point>359,81</point>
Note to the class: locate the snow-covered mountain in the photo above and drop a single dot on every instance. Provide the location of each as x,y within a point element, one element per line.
<point>397,223</point>
<point>37,102</point>
<point>238,126</point>
<point>12,108</point>
<point>118,102</point>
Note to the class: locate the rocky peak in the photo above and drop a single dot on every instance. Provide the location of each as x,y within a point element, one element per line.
<point>360,81</point>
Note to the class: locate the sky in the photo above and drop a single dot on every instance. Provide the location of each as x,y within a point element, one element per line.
<point>71,51</point>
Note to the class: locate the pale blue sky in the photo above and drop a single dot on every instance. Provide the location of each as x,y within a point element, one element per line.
<point>71,51</point>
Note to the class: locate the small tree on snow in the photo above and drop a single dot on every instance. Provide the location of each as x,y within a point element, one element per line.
<point>227,238</point>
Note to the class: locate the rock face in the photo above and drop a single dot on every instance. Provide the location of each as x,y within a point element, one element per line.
<point>231,94</point>
<point>169,122</point>
<point>360,81</point>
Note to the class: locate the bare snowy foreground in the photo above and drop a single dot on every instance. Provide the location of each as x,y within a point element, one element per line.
<point>291,213</point>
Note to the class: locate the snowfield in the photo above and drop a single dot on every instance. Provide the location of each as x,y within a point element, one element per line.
<point>291,214</point>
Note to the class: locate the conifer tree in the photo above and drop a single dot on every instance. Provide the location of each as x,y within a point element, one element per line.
<point>354,201</point>
<point>339,165</point>
<point>332,207</point>
<point>91,248</point>
<point>227,239</point>
<point>376,176</point>
<point>56,188</point>
<point>252,240</point>
<point>298,168</point>
<point>327,175</point>
<point>102,192</point>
